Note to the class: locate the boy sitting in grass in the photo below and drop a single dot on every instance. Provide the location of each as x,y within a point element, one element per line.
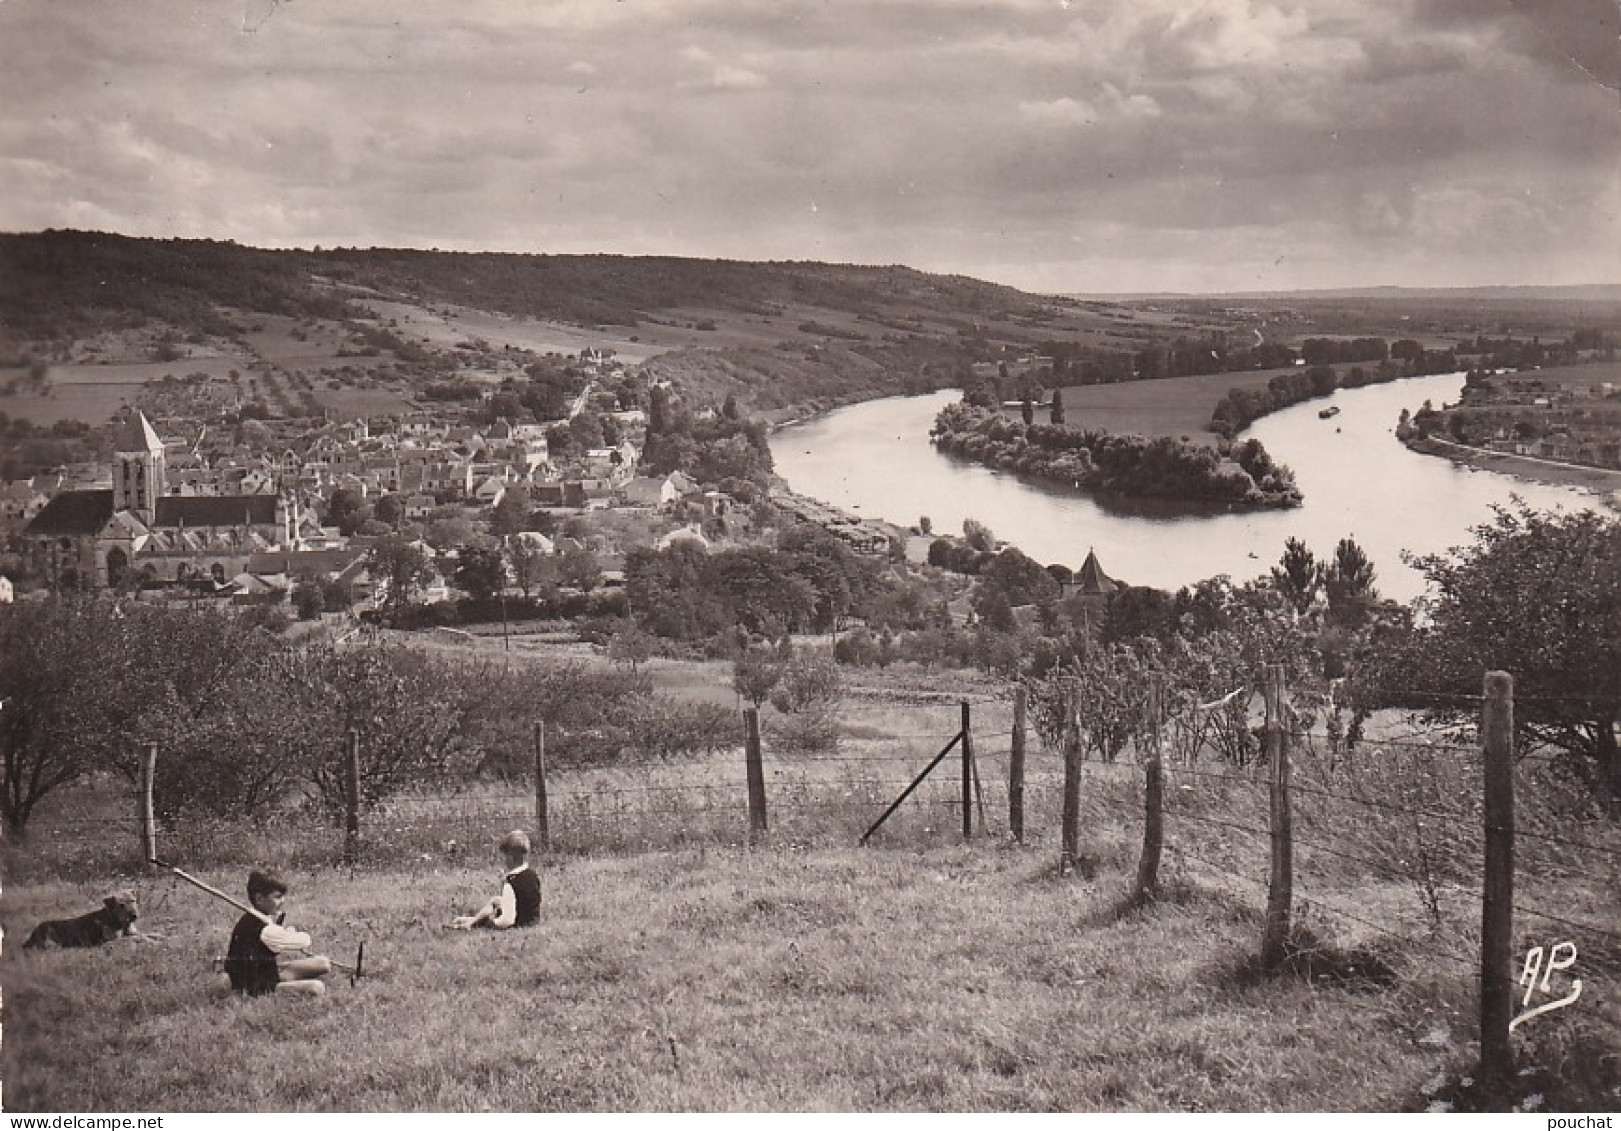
<point>518,905</point>
<point>267,957</point>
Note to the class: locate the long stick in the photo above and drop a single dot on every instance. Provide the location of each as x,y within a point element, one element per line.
<point>214,891</point>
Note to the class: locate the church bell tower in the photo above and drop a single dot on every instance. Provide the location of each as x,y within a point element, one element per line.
<point>140,475</point>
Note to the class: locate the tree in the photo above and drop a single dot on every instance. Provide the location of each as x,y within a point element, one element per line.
<point>925,526</point>
<point>62,701</point>
<point>585,432</point>
<point>401,570</point>
<point>389,508</point>
<point>1538,596</point>
<point>1298,575</point>
<point>630,645</point>
<point>1349,582</point>
<point>810,682</point>
<point>450,529</point>
<point>346,509</point>
<point>85,683</point>
<point>510,516</point>
<point>1017,577</point>
<point>755,672</point>
<point>531,565</point>
<point>580,568</point>
<point>1057,415</point>
<point>308,598</point>
<point>978,535</point>
<point>415,718</point>
<point>1027,411</point>
<point>481,572</point>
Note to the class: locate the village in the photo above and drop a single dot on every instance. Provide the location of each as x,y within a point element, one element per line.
<point>1565,416</point>
<point>187,509</point>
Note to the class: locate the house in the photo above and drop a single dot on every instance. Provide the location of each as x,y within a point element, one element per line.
<point>19,501</point>
<point>419,507</point>
<point>535,540</point>
<point>650,491</point>
<point>718,504</point>
<point>684,483</point>
<point>254,589</point>
<point>490,490</point>
<point>618,462</point>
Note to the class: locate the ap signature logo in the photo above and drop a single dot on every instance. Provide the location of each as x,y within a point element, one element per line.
<point>1537,977</point>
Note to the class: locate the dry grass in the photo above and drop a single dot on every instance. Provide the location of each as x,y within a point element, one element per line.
<point>679,968</point>
<point>948,979</point>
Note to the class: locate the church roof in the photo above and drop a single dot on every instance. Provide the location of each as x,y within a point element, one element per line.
<point>136,435</point>
<point>1091,578</point>
<point>215,510</point>
<point>73,513</point>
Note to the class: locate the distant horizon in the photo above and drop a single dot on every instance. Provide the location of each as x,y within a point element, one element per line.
<point>1348,291</point>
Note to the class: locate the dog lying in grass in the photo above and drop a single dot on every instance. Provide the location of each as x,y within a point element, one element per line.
<point>116,917</point>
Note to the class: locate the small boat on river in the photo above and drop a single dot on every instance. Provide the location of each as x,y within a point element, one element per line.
<point>1331,411</point>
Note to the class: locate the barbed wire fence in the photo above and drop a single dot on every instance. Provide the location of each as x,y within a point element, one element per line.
<point>1422,845</point>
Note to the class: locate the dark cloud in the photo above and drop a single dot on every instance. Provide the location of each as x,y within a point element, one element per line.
<point>1052,144</point>
<point>1579,40</point>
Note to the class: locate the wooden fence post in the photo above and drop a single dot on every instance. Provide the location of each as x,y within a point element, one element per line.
<point>149,822</point>
<point>967,775</point>
<point>754,764</point>
<point>1070,838</point>
<point>543,824</point>
<point>1015,773</point>
<point>1497,904</point>
<point>1280,888</point>
<point>1153,798</point>
<point>351,800</point>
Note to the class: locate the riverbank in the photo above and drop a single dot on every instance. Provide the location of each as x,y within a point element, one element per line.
<point>1601,481</point>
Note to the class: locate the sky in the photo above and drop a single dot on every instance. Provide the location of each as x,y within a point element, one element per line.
<point>1067,146</point>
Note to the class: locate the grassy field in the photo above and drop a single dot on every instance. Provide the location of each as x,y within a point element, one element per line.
<point>948,978</point>
<point>1173,406</point>
<point>95,393</point>
<point>678,968</point>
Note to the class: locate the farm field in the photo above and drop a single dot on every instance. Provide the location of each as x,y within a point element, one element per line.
<point>1171,406</point>
<point>1560,376</point>
<point>96,393</point>
<point>444,325</point>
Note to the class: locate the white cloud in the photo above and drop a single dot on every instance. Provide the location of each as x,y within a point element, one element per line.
<point>1201,136</point>
<point>728,77</point>
<point>1060,112</point>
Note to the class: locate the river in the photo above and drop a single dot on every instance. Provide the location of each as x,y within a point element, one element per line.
<point>875,460</point>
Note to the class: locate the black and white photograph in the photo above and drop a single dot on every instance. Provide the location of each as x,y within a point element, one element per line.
<point>772,557</point>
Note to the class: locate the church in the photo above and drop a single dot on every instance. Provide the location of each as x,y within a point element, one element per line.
<point>102,538</point>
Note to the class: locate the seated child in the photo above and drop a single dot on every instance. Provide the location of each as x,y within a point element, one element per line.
<point>518,905</point>
<point>267,957</point>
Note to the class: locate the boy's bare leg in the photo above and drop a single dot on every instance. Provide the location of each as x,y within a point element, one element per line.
<point>302,969</point>
<point>312,987</point>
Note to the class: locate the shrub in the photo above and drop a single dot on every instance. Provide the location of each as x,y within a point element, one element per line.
<point>809,682</point>
<point>667,728</point>
<point>814,731</point>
